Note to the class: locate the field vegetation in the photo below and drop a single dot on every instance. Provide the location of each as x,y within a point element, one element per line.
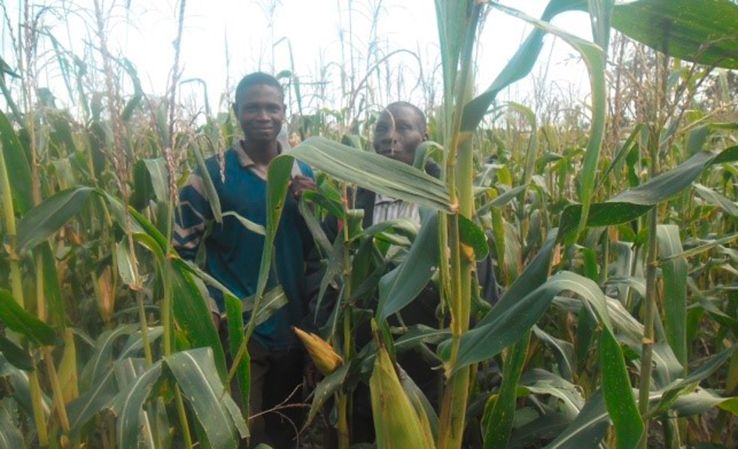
<point>611,220</point>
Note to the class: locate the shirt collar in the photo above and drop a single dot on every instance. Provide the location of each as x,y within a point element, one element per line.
<point>244,159</point>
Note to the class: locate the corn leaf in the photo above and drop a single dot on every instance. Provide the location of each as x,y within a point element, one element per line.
<point>196,375</point>
<point>16,162</point>
<point>400,286</point>
<point>15,355</point>
<point>39,223</point>
<point>373,172</point>
<point>675,273</point>
<point>128,405</point>
<point>18,320</point>
<point>192,313</point>
<point>701,31</point>
<point>635,202</point>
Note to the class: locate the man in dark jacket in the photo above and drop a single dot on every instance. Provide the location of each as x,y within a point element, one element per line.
<point>399,131</point>
<point>233,253</point>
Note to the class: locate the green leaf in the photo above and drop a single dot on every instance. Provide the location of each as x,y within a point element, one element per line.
<point>43,220</point>
<point>192,313</point>
<point>373,172</point>
<point>151,181</point>
<point>701,31</point>
<point>534,275</point>
<point>15,355</point>
<point>19,387</point>
<point>10,429</point>
<point>510,319</point>
<point>635,202</point>
<point>519,65</point>
<point>594,57</point>
<point>16,163</point>
<point>716,199</point>
<point>91,402</point>
<point>234,315</point>
<point>473,236</point>
<point>198,378</point>
<point>400,286</point>
<point>324,390</point>
<point>128,405</point>
<point>23,322</point>
<point>588,428</point>
<point>539,381</point>
<point>618,393</point>
<point>52,288</point>
<point>675,273</point>
<point>679,387</point>
<point>212,194</point>
<point>498,423</point>
<point>124,262</point>
<point>246,223</point>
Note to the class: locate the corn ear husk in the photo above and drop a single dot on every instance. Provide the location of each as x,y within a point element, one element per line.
<point>322,353</point>
<point>397,423</point>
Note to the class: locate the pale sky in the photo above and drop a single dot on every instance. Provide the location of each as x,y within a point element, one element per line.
<point>257,39</point>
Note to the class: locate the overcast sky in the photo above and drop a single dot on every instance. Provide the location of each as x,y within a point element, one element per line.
<point>225,39</point>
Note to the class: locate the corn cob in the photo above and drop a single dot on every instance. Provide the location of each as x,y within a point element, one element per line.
<point>322,353</point>
<point>397,424</point>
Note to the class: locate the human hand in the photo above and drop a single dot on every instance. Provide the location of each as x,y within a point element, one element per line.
<point>299,184</point>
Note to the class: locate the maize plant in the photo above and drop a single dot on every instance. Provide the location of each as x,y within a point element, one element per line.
<point>611,223</point>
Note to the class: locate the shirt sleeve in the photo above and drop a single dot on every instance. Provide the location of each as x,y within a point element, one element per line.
<point>191,217</point>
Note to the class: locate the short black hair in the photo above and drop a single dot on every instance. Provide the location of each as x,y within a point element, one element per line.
<point>256,79</point>
<point>418,112</point>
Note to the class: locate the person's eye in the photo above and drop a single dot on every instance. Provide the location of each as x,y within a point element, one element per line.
<point>273,109</point>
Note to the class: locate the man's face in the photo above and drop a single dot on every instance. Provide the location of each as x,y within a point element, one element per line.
<point>260,111</point>
<point>398,133</point>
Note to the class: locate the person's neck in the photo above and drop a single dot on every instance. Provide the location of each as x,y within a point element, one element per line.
<point>261,153</point>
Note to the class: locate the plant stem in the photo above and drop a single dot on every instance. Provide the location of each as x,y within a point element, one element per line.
<point>455,395</point>
<point>649,300</point>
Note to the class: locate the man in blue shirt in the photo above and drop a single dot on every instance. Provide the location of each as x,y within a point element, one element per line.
<point>233,252</point>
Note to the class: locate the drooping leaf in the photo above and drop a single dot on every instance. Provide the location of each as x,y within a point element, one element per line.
<point>618,393</point>
<point>91,402</point>
<point>196,375</point>
<point>18,320</point>
<point>519,65</point>
<point>128,404</point>
<point>325,389</point>
<point>403,284</point>
<point>192,313</point>
<point>10,429</point>
<point>587,430</point>
<point>498,423</point>
<point>373,172</point>
<point>700,31</point>
<point>473,236</point>
<point>15,355</point>
<point>635,202</point>
<point>52,287</point>
<point>16,164</point>
<point>679,387</point>
<point>674,271</point>
<point>43,220</point>
<point>594,57</point>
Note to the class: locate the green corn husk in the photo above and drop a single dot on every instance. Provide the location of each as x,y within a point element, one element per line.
<point>397,424</point>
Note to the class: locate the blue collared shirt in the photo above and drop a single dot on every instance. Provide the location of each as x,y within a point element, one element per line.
<point>233,253</point>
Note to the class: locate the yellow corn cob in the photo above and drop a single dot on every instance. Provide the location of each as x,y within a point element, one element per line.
<point>322,354</point>
<point>397,423</point>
